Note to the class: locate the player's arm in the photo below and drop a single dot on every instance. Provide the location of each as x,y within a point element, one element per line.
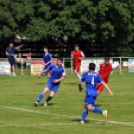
<point>8,54</point>
<point>49,61</point>
<point>60,79</point>
<point>106,86</point>
<point>46,70</point>
<point>18,47</point>
<point>83,56</point>
<point>79,84</point>
<point>72,56</point>
<point>114,66</point>
<point>97,68</point>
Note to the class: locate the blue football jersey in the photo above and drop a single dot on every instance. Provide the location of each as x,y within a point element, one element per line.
<point>10,51</point>
<point>91,78</point>
<point>47,57</point>
<point>56,72</point>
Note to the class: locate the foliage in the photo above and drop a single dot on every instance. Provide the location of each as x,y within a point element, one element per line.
<point>108,23</point>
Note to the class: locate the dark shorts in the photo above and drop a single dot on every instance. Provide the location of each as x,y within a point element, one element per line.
<point>11,61</point>
<point>77,67</point>
<point>46,67</point>
<point>90,100</point>
<point>52,86</point>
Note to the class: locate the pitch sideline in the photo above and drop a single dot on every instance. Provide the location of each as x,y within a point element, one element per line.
<point>39,112</point>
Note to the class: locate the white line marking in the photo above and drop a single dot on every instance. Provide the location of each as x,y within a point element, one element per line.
<point>39,112</point>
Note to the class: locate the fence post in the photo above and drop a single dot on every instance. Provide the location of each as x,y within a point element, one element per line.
<point>120,64</point>
<point>22,67</point>
<point>71,66</point>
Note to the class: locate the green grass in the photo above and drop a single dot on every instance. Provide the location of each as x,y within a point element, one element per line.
<point>22,91</point>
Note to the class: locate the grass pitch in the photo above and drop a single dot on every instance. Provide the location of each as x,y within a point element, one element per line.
<point>63,114</point>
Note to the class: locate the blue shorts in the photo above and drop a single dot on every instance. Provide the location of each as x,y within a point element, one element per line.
<point>11,61</point>
<point>53,86</point>
<point>90,100</point>
<point>45,67</point>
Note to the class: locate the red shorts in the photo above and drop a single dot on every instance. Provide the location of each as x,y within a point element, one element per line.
<point>77,67</point>
<point>99,87</point>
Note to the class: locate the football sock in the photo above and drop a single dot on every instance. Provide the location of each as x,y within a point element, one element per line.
<point>78,75</point>
<point>48,98</point>
<point>96,110</point>
<point>85,113</point>
<point>40,97</point>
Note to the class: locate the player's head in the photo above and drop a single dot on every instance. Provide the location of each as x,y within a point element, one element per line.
<point>45,49</point>
<point>10,44</point>
<point>29,54</point>
<point>91,66</point>
<point>106,60</point>
<point>59,61</point>
<point>76,47</point>
<point>19,55</point>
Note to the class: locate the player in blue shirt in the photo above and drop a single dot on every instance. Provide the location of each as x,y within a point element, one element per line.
<point>47,59</point>
<point>91,78</point>
<point>10,56</point>
<point>57,75</point>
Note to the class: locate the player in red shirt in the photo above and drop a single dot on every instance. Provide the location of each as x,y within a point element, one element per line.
<point>77,56</point>
<point>104,71</point>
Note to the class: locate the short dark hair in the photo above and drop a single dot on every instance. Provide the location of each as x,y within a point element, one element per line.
<point>59,58</point>
<point>92,66</point>
<point>10,43</point>
<point>45,47</point>
<point>107,58</point>
<point>76,45</point>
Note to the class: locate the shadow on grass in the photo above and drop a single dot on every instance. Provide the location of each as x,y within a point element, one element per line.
<point>49,104</point>
<point>97,105</point>
<point>90,121</point>
<point>41,83</point>
<point>71,83</point>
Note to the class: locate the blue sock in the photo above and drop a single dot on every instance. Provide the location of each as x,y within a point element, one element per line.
<point>96,110</point>
<point>40,97</point>
<point>85,113</point>
<point>48,98</point>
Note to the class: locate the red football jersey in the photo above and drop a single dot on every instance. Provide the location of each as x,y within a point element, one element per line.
<point>105,71</point>
<point>77,55</point>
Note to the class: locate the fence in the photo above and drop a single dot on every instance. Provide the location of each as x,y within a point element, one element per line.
<point>24,68</point>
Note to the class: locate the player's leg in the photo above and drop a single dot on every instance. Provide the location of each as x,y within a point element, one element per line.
<point>90,100</point>
<point>44,69</point>
<point>13,64</point>
<point>100,87</point>
<point>10,61</point>
<point>13,70</point>
<point>49,98</point>
<point>76,71</point>
<point>54,89</point>
<point>97,110</point>
<point>40,97</point>
<point>84,115</point>
<point>48,74</point>
<point>46,89</point>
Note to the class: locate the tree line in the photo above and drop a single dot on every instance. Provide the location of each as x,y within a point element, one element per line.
<point>107,24</point>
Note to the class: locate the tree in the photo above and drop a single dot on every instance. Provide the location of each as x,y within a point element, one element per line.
<point>106,24</point>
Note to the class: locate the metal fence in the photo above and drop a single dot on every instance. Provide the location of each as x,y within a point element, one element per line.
<point>25,68</point>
